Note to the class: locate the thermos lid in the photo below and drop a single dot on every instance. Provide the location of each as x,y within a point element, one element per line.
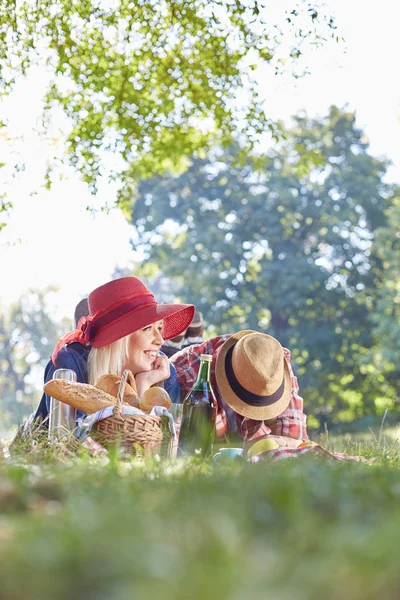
<point>65,374</point>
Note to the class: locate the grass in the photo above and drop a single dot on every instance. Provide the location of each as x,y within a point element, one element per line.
<point>82,528</point>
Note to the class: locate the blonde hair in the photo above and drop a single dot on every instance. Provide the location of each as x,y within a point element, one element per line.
<point>108,359</point>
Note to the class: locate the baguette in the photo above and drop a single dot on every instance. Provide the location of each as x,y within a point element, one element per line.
<point>110,383</point>
<point>82,396</point>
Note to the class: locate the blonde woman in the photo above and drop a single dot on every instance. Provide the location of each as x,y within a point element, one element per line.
<point>125,329</point>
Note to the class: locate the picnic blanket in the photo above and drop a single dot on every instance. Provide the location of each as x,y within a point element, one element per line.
<point>316,449</point>
<point>267,456</point>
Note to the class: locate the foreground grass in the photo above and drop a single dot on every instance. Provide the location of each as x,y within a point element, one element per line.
<point>76,527</point>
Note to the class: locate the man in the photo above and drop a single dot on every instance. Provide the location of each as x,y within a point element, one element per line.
<point>81,310</point>
<point>171,347</point>
<point>194,333</point>
<point>253,381</point>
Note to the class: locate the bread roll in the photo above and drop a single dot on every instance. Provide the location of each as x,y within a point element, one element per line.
<point>110,384</point>
<point>82,396</point>
<point>154,396</point>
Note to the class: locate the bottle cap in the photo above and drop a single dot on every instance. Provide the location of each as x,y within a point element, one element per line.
<point>206,357</point>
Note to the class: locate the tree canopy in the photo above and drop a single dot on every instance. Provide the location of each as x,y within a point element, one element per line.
<point>386,319</point>
<point>285,252</point>
<point>147,83</point>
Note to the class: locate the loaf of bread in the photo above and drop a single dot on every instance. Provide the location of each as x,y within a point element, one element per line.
<point>154,396</point>
<point>82,396</point>
<point>110,384</point>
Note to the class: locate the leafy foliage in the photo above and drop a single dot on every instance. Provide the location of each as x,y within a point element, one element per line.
<point>387,317</point>
<point>146,84</point>
<point>284,251</point>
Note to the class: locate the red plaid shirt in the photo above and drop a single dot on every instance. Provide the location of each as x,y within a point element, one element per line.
<point>291,423</point>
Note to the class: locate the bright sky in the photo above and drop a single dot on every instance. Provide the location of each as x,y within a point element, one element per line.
<point>51,239</point>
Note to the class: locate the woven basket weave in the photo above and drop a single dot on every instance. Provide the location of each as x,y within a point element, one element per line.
<point>135,433</point>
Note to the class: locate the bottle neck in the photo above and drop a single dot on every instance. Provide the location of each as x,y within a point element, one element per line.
<point>203,374</point>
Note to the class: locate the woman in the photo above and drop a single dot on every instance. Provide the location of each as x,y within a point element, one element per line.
<point>125,329</point>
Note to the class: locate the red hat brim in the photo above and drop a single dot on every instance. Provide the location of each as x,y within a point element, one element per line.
<point>176,318</point>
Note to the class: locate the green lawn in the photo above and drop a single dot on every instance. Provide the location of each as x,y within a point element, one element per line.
<point>74,527</point>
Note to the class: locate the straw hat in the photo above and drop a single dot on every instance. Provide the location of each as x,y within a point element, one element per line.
<point>253,376</point>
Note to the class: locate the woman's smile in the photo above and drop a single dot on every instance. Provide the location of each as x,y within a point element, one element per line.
<point>143,347</point>
<point>152,354</point>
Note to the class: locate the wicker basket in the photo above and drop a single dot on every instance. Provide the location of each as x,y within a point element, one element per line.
<point>136,433</point>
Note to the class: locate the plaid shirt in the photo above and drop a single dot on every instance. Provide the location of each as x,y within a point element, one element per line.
<point>291,423</point>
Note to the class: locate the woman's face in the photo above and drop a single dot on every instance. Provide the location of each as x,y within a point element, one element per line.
<point>143,348</point>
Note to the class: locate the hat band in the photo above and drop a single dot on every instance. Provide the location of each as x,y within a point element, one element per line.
<point>245,395</point>
<point>120,311</point>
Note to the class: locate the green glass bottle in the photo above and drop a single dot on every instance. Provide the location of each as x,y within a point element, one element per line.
<point>199,414</point>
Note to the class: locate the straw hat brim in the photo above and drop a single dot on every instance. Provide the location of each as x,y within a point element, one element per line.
<point>176,317</point>
<point>258,413</point>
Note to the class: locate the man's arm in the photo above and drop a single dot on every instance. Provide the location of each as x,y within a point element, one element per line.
<point>292,423</point>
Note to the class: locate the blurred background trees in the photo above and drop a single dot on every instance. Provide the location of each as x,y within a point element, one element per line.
<point>300,241</point>
<point>298,254</point>
<point>309,256</point>
<point>27,336</point>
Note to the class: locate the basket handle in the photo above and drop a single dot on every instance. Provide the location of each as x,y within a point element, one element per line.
<point>120,396</point>
<point>124,377</point>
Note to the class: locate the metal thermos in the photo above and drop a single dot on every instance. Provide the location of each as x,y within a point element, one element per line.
<point>62,417</point>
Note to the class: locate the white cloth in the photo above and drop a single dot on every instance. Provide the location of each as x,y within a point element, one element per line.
<point>193,340</point>
<point>157,411</point>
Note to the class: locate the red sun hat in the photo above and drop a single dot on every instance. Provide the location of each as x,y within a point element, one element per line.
<point>121,307</point>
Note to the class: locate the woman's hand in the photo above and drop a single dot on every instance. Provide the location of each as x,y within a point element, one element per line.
<point>160,370</point>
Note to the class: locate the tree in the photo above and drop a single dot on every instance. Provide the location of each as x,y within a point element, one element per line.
<point>27,338</point>
<point>284,251</point>
<point>146,84</point>
<point>386,317</point>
